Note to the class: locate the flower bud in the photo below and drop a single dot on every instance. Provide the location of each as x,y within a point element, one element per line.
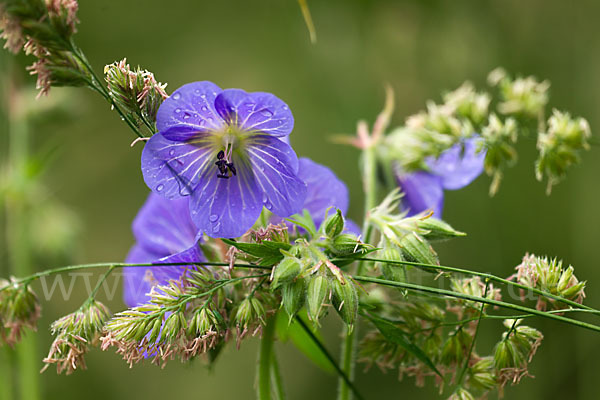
<point>437,230</point>
<point>345,301</point>
<point>316,295</point>
<point>334,224</point>
<point>292,296</point>
<point>461,394</point>
<point>415,248</point>
<point>482,374</point>
<point>346,244</point>
<point>136,91</point>
<point>286,271</point>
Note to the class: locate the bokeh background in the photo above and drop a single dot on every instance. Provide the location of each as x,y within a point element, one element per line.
<point>419,47</point>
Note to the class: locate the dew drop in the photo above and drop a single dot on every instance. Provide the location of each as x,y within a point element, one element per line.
<point>285,108</point>
<point>204,108</point>
<point>216,227</point>
<point>264,198</point>
<point>186,115</point>
<point>172,152</point>
<point>266,113</point>
<point>178,110</point>
<point>269,206</point>
<point>160,187</point>
<point>213,218</point>
<point>184,190</point>
<point>176,96</point>
<point>197,91</point>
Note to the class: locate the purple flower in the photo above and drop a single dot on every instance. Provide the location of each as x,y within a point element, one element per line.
<point>454,169</point>
<point>165,233</point>
<point>224,149</point>
<point>324,190</point>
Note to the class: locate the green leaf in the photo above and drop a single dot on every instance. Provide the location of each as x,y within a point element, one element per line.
<point>302,341</point>
<point>268,252</point>
<point>305,221</point>
<point>397,336</point>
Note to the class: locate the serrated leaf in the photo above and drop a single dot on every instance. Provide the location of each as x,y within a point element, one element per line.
<point>268,252</point>
<point>302,341</point>
<point>397,336</point>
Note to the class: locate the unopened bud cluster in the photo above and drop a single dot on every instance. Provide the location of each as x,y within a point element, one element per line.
<point>515,351</point>
<point>44,28</point>
<point>408,238</point>
<point>517,110</point>
<point>19,310</point>
<point>560,146</point>
<point>75,334</point>
<point>136,91</point>
<point>549,275</point>
<point>187,318</point>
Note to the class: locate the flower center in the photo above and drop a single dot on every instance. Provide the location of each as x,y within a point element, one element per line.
<point>224,162</point>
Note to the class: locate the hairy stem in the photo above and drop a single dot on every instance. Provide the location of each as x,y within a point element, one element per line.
<point>265,359</point>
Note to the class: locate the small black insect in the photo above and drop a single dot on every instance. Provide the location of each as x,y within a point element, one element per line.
<point>224,166</point>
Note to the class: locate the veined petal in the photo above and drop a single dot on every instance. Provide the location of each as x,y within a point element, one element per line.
<point>274,164</point>
<point>226,207</point>
<point>164,226</point>
<point>258,112</point>
<point>422,191</point>
<point>324,189</point>
<point>192,105</point>
<point>459,165</point>
<point>172,169</point>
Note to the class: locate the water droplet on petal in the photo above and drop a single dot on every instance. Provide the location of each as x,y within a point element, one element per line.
<point>216,227</point>
<point>204,108</point>
<point>266,113</point>
<point>213,218</point>
<point>184,190</point>
<point>176,96</point>
<point>285,108</point>
<point>264,198</point>
<point>269,205</point>
<point>178,110</point>
<point>172,152</point>
<point>197,91</point>
<point>160,187</point>
<point>186,115</point>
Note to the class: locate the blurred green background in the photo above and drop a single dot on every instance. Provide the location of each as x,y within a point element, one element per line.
<point>419,47</point>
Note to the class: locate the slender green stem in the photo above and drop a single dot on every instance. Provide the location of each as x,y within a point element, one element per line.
<point>461,377</point>
<point>488,316</point>
<point>265,359</point>
<point>441,268</point>
<point>97,85</point>
<point>449,293</point>
<point>69,268</point>
<point>350,343</point>
<point>329,357</point>
<point>276,379</point>
<point>18,227</point>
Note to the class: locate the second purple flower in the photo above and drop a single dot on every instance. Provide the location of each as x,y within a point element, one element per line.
<point>224,149</point>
